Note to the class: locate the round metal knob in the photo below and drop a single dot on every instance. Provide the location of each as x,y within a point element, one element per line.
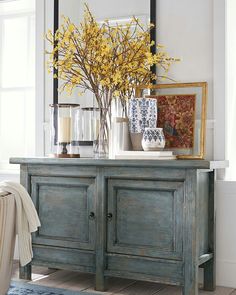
<point>91,215</point>
<point>109,216</point>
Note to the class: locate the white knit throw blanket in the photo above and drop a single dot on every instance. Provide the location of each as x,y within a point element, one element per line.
<point>7,239</point>
<point>27,220</point>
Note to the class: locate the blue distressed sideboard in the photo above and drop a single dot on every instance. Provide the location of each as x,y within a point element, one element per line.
<point>144,220</point>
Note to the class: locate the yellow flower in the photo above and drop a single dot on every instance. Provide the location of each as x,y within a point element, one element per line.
<point>98,57</point>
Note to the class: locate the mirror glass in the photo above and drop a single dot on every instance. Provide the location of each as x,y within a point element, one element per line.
<point>119,11</point>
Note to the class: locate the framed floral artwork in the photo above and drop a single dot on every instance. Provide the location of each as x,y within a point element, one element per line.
<point>182,115</point>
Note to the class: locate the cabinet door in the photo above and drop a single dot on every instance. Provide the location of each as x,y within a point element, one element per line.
<point>66,208</point>
<point>145,218</point>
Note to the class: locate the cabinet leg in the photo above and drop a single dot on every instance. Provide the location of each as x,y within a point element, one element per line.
<point>210,266</point>
<point>25,272</point>
<point>190,245</point>
<point>190,288</point>
<point>209,275</point>
<point>100,283</point>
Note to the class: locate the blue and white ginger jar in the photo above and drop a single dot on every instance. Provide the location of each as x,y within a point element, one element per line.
<point>142,114</point>
<point>153,139</point>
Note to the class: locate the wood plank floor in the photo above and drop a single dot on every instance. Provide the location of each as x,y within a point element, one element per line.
<point>85,282</point>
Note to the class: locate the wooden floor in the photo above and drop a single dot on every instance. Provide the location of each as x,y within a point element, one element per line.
<point>85,282</point>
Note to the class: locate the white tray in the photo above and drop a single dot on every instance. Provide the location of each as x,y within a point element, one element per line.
<point>141,155</point>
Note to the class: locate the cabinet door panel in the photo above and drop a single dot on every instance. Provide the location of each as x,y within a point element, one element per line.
<point>64,206</point>
<point>147,218</point>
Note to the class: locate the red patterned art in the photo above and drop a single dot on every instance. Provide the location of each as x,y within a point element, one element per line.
<point>176,115</point>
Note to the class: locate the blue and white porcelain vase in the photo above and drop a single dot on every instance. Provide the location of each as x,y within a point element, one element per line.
<point>153,139</point>
<point>142,114</point>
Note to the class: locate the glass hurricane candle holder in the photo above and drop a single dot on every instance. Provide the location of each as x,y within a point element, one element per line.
<point>64,130</point>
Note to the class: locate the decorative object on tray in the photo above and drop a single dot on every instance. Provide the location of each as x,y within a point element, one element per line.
<point>182,115</point>
<point>142,114</point>
<point>64,130</point>
<point>153,139</point>
<point>110,61</point>
<point>144,155</point>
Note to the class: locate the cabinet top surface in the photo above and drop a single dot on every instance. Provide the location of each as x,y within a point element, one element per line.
<point>197,164</point>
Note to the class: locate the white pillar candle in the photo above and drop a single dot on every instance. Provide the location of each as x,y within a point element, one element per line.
<point>64,130</point>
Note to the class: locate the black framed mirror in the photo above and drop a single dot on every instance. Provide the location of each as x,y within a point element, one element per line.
<point>147,9</point>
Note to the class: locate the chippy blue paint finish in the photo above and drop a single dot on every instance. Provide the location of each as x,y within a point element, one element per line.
<point>145,220</point>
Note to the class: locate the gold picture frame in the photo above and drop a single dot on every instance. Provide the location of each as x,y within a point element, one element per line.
<point>200,91</point>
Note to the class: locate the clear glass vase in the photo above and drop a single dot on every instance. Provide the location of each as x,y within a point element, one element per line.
<point>103,129</point>
<point>102,119</point>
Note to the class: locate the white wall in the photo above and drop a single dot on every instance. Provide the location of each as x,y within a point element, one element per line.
<point>231,87</point>
<point>185,27</point>
<point>226,233</point>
